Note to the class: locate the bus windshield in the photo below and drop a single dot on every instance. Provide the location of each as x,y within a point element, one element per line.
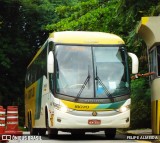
<point>91,71</point>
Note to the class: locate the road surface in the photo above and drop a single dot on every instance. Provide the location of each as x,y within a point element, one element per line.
<point>98,137</point>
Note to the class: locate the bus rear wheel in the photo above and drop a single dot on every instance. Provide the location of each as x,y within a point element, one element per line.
<point>110,133</point>
<point>32,130</point>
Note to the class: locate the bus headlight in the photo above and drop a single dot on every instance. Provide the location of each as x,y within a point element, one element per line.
<point>63,109</point>
<point>123,109</point>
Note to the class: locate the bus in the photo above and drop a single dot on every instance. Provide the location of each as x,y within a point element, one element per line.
<point>79,82</point>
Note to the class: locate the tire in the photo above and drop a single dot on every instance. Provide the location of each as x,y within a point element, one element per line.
<point>110,133</point>
<point>52,133</point>
<point>42,132</point>
<point>32,130</point>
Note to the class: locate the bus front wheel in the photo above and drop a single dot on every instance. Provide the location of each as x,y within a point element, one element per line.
<point>52,133</point>
<point>110,133</point>
<point>42,132</point>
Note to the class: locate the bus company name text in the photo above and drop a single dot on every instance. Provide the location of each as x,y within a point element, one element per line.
<point>28,137</point>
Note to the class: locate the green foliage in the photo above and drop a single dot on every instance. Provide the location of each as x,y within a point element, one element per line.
<point>25,25</point>
<point>140,107</point>
<point>122,18</point>
<point>89,15</point>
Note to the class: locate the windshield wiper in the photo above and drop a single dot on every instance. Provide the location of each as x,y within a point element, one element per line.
<point>83,86</point>
<point>104,87</point>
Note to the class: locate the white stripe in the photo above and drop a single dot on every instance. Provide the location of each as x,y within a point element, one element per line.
<point>2,125</point>
<point>2,112</point>
<point>12,117</point>
<point>12,111</point>
<point>2,118</point>
<point>10,123</point>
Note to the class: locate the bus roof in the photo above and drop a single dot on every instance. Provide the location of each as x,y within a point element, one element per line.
<point>84,37</point>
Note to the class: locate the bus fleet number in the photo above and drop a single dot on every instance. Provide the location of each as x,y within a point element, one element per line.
<point>82,106</point>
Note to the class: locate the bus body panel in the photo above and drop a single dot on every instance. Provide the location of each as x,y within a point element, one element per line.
<point>35,100</point>
<point>45,97</point>
<point>68,121</point>
<point>73,119</point>
<point>30,100</point>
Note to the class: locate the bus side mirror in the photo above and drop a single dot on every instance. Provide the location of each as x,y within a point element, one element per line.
<point>50,62</point>
<point>135,63</point>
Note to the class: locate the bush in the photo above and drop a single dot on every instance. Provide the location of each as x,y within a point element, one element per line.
<point>141,104</point>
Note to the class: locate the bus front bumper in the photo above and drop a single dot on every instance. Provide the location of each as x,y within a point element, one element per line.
<point>66,120</point>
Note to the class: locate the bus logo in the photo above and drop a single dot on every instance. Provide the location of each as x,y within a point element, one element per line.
<point>94,113</point>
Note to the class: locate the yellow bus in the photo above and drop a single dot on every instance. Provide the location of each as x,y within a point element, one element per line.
<point>79,82</point>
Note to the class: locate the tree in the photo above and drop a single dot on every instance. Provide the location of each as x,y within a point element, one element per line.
<point>21,33</point>
<point>120,17</point>
<point>25,25</point>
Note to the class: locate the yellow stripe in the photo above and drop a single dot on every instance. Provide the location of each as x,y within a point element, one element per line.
<point>153,117</point>
<point>39,51</point>
<point>157,112</point>
<point>144,20</point>
<point>79,106</point>
<point>83,106</point>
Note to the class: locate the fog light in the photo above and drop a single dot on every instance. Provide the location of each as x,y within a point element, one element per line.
<point>58,120</point>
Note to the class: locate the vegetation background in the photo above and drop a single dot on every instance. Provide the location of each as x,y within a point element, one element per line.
<point>26,24</point>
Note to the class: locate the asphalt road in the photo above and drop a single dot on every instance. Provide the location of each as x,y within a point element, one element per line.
<point>98,137</point>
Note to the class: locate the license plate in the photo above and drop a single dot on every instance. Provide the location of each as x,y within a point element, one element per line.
<point>94,122</point>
